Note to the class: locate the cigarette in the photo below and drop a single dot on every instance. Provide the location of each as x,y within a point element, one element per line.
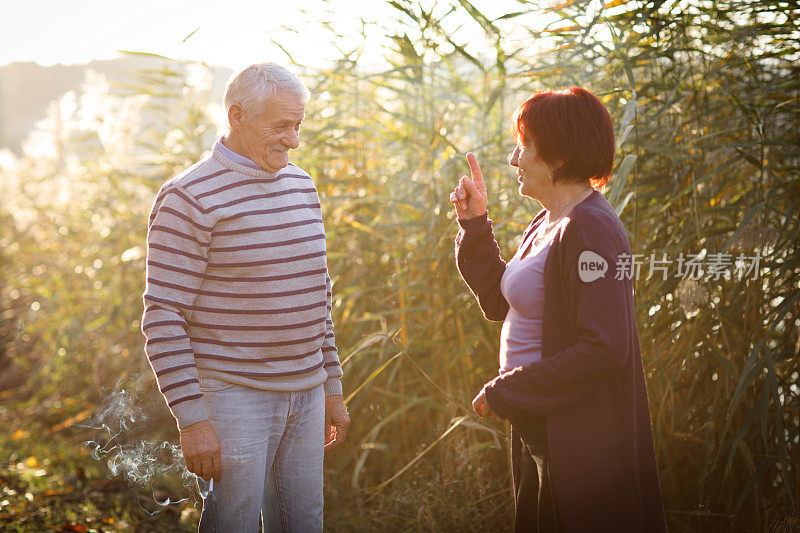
<point>211,485</point>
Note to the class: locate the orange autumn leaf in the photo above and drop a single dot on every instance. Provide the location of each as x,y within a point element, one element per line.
<point>86,413</point>
<point>20,434</point>
<point>57,492</point>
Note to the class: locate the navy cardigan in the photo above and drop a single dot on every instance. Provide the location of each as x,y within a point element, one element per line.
<point>589,384</point>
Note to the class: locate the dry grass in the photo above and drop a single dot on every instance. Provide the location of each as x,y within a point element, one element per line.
<point>711,162</point>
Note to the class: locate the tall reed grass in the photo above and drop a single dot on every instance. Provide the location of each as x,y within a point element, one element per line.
<point>705,95</point>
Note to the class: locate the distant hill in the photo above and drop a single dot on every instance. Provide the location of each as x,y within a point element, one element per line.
<point>26,89</point>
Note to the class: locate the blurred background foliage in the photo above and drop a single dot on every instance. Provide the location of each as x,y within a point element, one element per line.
<point>707,98</point>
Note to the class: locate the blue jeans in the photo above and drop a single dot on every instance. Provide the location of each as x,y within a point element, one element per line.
<point>272,453</point>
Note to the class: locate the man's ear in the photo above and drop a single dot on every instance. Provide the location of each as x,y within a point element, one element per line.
<point>236,117</point>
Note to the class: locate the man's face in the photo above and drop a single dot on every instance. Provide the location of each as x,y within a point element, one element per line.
<point>270,135</point>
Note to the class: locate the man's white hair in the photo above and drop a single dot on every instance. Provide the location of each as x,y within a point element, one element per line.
<point>250,88</point>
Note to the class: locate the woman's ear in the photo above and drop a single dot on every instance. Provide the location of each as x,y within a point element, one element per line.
<point>554,168</point>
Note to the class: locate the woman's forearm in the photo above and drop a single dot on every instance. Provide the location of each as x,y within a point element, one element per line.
<point>480,265</point>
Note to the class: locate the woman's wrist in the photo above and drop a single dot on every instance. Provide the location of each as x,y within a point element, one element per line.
<point>472,222</point>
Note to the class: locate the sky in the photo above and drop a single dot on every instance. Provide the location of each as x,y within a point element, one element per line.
<point>236,35</point>
<point>233,33</point>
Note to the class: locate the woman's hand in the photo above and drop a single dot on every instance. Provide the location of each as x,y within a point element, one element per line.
<point>481,406</point>
<point>469,196</point>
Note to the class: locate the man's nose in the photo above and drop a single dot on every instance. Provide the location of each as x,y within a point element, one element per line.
<point>293,139</point>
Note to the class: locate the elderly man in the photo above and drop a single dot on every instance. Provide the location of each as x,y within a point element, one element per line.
<point>237,315</point>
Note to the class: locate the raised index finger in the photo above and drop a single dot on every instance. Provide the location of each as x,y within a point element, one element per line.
<point>475,170</point>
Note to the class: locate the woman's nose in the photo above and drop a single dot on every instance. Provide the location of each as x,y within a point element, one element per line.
<point>513,159</point>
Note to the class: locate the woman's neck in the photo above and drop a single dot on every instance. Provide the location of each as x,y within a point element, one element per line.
<point>560,197</point>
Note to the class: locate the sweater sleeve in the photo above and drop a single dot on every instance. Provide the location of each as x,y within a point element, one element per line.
<point>602,309</point>
<point>177,250</point>
<point>480,265</point>
<point>330,355</point>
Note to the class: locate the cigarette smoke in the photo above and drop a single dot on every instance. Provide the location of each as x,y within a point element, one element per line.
<point>141,463</point>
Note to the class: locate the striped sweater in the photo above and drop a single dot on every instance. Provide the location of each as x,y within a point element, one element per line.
<point>237,284</point>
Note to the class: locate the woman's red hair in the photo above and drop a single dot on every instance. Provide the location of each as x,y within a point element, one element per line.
<point>572,132</point>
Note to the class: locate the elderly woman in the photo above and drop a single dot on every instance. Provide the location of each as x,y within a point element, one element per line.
<point>571,381</point>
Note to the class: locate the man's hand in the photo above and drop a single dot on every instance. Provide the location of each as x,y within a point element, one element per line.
<point>481,406</point>
<point>336,421</point>
<point>201,450</point>
<point>470,197</point>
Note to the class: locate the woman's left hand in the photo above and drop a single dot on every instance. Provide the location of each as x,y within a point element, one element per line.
<point>481,406</point>
<point>470,197</point>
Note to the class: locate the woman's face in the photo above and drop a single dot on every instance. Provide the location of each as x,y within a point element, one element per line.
<point>533,174</point>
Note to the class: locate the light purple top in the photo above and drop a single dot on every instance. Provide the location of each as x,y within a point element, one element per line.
<point>233,156</point>
<point>522,286</point>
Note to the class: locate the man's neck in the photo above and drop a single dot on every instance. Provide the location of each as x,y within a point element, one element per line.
<point>238,150</point>
<point>231,144</point>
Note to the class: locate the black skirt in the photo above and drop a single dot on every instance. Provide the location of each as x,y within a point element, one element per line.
<point>534,505</point>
